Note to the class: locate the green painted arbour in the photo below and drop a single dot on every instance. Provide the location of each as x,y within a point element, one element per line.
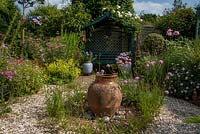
<point>107,37</point>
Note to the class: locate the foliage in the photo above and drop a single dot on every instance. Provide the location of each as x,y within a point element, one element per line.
<point>65,47</point>
<point>149,18</point>
<point>29,78</point>
<point>56,105</point>
<point>28,3</point>
<point>179,42</point>
<point>61,47</point>
<point>149,101</point>
<point>7,9</point>
<point>75,16</point>
<point>154,43</point>
<point>183,20</point>
<point>145,97</point>
<point>50,16</point>
<point>21,77</point>
<point>88,57</point>
<point>182,65</point>
<point>151,69</point>
<point>4,108</point>
<point>60,71</point>
<point>178,4</point>
<point>193,120</point>
<point>66,102</point>
<point>75,102</point>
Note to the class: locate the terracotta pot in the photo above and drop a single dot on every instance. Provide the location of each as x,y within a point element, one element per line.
<point>104,95</point>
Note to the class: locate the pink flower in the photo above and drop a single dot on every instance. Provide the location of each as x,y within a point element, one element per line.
<point>102,71</point>
<point>176,33</point>
<point>167,78</point>
<point>108,65</point>
<point>9,77</point>
<point>137,78</point>
<point>166,92</point>
<point>8,73</point>
<point>125,81</point>
<point>161,62</point>
<point>152,62</point>
<point>169,32</point>
<point>170,74</point>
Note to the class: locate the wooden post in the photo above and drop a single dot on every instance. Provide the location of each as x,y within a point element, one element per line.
<point>197,22</point>
<point>197,29</point>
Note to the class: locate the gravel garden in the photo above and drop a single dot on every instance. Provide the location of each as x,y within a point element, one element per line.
<point>86,69</point>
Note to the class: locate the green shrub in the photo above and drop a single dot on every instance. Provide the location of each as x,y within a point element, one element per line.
<point>7,10</point>
<point>22,77</point>
<point>50,16</point>
<point>75,16</point>
<point>61,71</point>
<point>182,20</point>
<point>182,65</point>
<point>154,43</point>
<point>179,42</point>
<point>29,78</point>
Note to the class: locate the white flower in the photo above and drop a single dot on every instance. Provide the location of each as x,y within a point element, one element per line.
<point>183,69</point>
<point>186,78</point>
<point>118,7</point>
<point>181,84</point>
<point>187,88</point>
<point>104,9</point>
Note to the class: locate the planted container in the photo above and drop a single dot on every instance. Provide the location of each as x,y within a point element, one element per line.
<point>87,68</point>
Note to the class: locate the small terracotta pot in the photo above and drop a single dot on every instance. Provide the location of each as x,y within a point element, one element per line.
<point>104,95</point>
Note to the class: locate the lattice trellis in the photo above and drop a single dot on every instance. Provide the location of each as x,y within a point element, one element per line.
<point>108,38</point>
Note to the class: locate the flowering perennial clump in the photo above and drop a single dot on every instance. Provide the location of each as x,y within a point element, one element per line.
<point>179,82</point>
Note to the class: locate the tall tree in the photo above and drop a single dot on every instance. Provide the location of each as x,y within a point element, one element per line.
<point>26,4</point>
<point>7,9</point>
<point>178,4</point>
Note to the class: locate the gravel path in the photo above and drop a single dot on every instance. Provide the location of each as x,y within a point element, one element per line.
<point>28,116</point>
<point>171,118</point>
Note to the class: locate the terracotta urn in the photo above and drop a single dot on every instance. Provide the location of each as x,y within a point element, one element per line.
<point>104,95</point>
